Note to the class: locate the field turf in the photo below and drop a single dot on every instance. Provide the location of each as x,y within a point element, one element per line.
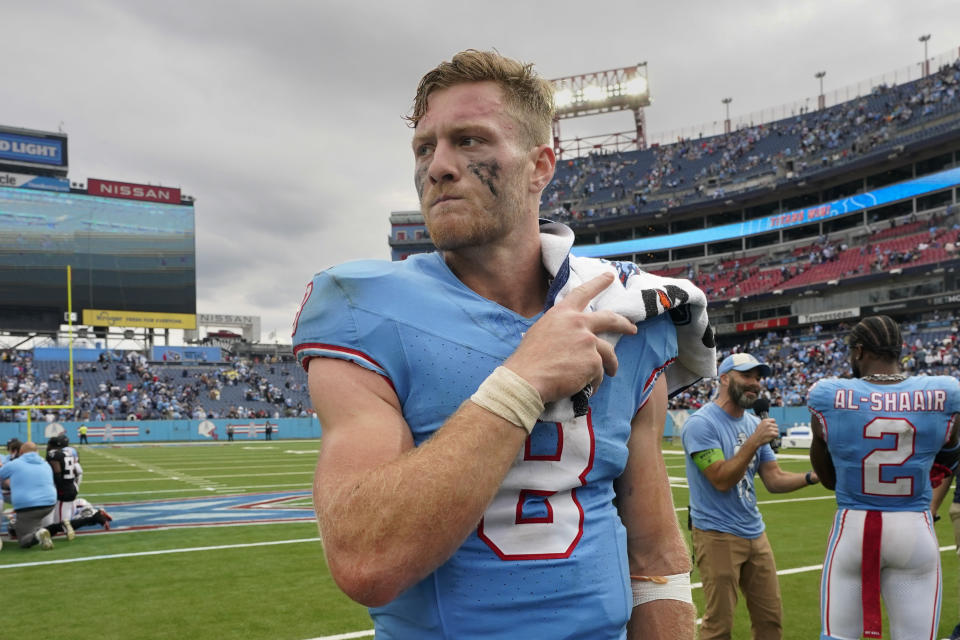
<point>269,581</point>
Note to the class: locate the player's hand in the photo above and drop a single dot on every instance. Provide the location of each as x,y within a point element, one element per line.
<point>767,431</point>
<point>562,351</point>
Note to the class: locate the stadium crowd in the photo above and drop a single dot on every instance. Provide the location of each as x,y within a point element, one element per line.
<point>129,387</point>
<point>690,170</point>
<point>800,358</point>
<point>133,388</point>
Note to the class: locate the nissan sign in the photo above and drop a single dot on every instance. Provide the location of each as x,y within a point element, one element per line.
<point>130,191</point>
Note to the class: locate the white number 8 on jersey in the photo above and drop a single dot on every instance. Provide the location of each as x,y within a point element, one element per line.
<point>515,536</point>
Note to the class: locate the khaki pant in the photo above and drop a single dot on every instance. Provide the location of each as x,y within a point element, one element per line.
<point>727,561</point>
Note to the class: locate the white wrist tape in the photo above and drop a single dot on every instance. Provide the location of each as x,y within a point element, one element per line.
<point>509,396</point>
<point>650,588</point>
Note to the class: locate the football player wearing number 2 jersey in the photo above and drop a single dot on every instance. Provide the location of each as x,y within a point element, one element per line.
<point>881,440</point>
<point>444,503</point>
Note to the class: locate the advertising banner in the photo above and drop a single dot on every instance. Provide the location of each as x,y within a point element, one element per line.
<point>109,318</point>
<point>34,182</point>
<point>131,191</point>
<point>859,202</point>
<point>829,316</point>
<point>186,354</point>
<point>762,324</point>
<point>949,298</point>
<point>27,149</point>
<point>244,431</point>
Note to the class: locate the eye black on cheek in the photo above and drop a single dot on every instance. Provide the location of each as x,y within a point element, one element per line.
<point>487,172</point>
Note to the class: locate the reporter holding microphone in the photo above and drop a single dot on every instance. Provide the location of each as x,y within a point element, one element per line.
<point>725,448</point>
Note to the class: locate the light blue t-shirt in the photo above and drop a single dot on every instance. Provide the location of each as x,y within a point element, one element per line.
<point>31,481</point>
<point>735,510</point>
<point>549,557</point>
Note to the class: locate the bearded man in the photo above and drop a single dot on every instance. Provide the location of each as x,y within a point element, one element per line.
<point>725,448</point>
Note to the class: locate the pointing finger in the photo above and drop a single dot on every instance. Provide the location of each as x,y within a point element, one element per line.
<point>580,297</point>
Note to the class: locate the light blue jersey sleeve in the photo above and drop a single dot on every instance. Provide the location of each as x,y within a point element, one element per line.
<point>334,320</point>
<point>820,398</point>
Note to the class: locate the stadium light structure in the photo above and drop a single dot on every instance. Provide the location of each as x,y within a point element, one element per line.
<point>599,92</point>
<point>726,123</point>
<point>821,100</point>
<point>926,61</point>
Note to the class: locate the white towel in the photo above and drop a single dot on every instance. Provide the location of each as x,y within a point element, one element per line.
<point>637,295</point>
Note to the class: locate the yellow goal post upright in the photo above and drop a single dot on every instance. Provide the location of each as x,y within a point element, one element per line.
<point>30,407</point>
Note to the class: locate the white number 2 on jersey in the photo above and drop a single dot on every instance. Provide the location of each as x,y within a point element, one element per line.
<point>873,462</point>
<point>555,478</point>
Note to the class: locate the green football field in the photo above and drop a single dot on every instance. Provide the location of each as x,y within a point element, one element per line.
<point>268,581</point>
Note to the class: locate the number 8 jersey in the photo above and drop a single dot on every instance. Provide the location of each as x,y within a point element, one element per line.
<point>883,437</point>
<point>551,541</point>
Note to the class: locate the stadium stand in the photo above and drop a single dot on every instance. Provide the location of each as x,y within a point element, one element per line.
<point>132,388</point>
<point>761,157</point>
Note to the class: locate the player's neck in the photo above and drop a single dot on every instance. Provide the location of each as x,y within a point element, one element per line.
<point>870,366</point>
<point>883,374</point>
<point>509,274</point>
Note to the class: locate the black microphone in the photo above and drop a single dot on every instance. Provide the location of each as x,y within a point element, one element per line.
<point>761,407</point>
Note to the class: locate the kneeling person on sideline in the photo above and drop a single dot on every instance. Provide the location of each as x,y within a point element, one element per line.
<point>725,447</point>
<point>32,494</point>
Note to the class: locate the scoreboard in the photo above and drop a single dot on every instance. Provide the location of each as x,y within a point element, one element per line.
<point>125,254</point>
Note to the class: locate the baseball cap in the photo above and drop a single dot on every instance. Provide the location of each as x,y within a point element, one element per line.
<point>743,362</point>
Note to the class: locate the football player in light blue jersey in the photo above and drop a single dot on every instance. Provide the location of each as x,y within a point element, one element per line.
<point>444,503</point>
<point>878,440</point>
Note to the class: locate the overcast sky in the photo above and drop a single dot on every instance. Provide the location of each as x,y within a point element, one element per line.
<point>283,118</point>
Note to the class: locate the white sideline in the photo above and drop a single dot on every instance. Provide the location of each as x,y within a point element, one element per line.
<point>155,553</point>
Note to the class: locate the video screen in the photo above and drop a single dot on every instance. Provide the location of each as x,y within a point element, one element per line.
<point>126,255</point>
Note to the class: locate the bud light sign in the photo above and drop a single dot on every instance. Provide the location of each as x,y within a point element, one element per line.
<point>32,149</point>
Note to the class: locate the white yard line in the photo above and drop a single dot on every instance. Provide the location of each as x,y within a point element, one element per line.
<point>830,497</point>
<point>172,475</point>
<point>299,486</point>
<point>263,475</point>
<point>155,553</point>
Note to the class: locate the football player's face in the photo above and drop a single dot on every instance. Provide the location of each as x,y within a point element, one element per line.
<point>744,387</point>
<point>471,170</point>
